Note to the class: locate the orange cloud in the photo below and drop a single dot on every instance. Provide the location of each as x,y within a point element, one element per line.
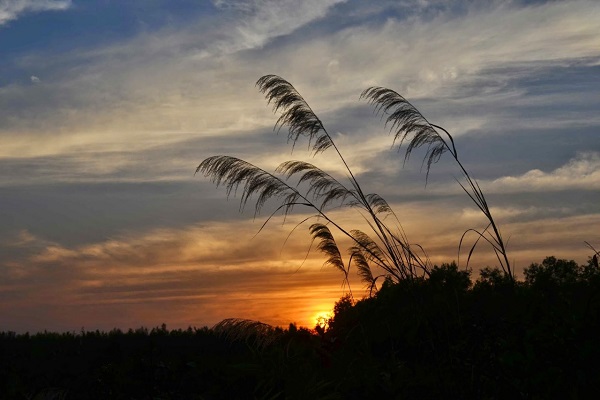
<point>193,276</point>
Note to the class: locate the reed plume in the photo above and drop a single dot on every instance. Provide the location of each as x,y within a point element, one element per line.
<point>408,125</point>
<point>385,248</point>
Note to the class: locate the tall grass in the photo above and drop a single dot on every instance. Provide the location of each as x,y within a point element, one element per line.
<point>409,125</point>
<point>383,251</point>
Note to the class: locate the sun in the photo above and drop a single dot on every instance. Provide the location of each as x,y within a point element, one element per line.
<point>321,318</point>
<point>317,314</point>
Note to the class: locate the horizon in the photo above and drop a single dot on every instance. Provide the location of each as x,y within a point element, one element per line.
<point>108,108</point>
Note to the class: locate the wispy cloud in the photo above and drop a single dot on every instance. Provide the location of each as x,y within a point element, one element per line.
<point>153,83</point>
<point>263,20</point>
<point>13,9</point>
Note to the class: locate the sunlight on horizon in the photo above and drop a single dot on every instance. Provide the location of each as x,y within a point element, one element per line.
<point>107,113</point>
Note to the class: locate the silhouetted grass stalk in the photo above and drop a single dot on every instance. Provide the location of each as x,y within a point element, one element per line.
<point>408,123</point>
<point>391,252</point>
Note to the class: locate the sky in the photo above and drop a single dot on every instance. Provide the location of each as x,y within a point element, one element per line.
<point>107,108</point>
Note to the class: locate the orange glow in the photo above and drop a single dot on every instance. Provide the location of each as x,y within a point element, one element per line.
<point>322,318</point>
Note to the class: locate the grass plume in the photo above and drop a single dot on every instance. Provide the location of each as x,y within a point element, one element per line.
<point>385,250</point>
<point>408,125</point>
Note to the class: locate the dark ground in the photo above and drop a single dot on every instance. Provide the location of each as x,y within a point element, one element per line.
<point>441,337</point>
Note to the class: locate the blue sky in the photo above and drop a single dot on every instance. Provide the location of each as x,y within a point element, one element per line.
<point>107,107</point>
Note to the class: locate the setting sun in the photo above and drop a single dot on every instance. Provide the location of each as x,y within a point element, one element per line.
<point>321,318</point>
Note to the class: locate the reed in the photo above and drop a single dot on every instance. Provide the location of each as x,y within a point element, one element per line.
<point>383,251</point>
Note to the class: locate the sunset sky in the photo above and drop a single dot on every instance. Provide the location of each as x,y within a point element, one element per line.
<point>107,107</point>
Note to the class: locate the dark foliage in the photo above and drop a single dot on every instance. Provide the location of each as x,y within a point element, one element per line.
<point>444,337</point>
<point>162,364</point>
<point>436,337</point>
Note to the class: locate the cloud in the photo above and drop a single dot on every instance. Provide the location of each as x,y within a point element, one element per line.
<point>157,83</point>
<point>202,273</point>
<point>264,20</point>
<point>13,9</point>
<point>166,275</point>
<point>580,173</point>
<point>34,79</point>
<point>24,237</point>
